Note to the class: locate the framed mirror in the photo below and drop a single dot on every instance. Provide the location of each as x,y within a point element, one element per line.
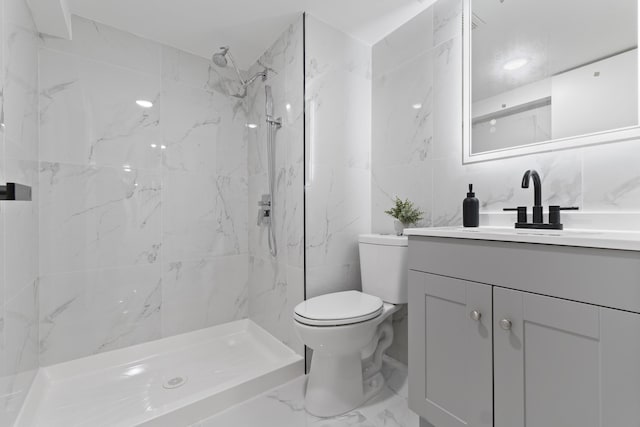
<point>542,75</point>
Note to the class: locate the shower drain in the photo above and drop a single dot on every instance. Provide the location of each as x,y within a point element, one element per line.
<point>174,382</point>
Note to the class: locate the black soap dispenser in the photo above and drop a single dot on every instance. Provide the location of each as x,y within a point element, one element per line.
<point>471,209</point>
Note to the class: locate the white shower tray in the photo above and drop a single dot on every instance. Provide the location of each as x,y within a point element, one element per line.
<point>171,382</point>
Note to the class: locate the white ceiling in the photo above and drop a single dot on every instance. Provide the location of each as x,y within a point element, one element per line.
<point>248,26</point>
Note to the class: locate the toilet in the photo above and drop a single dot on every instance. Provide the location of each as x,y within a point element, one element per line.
<point>350,331</point>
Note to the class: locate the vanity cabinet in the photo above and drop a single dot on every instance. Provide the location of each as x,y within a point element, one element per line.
<point>484,353</point>
<point>452,371</point>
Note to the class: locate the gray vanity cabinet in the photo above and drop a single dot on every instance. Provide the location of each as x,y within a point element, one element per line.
<point>450,368</point>
<point>484,355</point>
<point>563,363</point>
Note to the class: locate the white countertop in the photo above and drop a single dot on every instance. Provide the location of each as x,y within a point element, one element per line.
<point>603,239</point>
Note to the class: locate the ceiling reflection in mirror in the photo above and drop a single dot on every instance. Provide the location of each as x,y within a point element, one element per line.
<point>548,69</point>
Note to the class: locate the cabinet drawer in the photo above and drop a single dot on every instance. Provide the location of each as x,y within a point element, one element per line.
<point>602,277</point>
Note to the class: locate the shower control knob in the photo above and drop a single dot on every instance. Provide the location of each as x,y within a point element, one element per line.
<point>475,315</point>
<point>506,324</point>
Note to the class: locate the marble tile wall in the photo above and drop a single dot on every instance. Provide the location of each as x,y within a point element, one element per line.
<point>19,286</point>
<point>276,284</point>
<point>338,143</point>
<point>143,217</point>
<point>416,153</point>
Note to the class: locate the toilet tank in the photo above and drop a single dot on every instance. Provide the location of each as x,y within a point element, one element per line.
<point>384,266</point>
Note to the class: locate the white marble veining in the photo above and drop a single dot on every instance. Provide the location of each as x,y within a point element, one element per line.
<point>88,312</point>
<point>88,113</point>
<point>276,284</point>
<point>143,220</point>
<point>202,293</point>
<point>21,230</point>
<point>335,217</point>
<point>19,256</point>
<point>284,407</point>
<point>611,177</point>
<point>338,144</point>
<point>402,130</point>
<point>99,42</point>
<point>97,217</point>
<point>447,20</point>
<point>447,98</point>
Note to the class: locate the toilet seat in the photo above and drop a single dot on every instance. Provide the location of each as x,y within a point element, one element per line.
<point>338,308</point>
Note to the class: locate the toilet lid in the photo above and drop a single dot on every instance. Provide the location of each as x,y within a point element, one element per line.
<point>338,308</point>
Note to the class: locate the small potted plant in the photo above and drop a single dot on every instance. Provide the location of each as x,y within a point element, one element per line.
<point>405,213</point>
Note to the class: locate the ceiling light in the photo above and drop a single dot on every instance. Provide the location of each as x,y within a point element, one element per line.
<point>514,64</point>
<point>144,103</point>
<point>251,125</point>
<point>153,145</point>
<point>163,147</point>
<point>416,106</point>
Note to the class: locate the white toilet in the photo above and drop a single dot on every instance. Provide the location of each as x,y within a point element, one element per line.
<point>349,331</point>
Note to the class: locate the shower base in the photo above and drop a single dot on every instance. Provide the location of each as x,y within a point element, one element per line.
<point>171,382</point>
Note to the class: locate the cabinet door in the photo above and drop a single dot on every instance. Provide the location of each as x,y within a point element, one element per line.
<point>560,363</point>
<point>450,353</point>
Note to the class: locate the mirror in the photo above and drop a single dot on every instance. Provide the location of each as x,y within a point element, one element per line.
<point>542,75</point>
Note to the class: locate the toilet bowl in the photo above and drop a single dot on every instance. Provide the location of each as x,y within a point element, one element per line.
<point>350,331</point>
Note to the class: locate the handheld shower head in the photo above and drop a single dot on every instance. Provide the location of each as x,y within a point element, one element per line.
<point>268,102</point>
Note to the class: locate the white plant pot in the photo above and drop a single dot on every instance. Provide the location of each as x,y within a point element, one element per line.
<point>399,227</point>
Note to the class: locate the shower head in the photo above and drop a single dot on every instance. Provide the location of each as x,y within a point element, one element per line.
<point>220,58</point>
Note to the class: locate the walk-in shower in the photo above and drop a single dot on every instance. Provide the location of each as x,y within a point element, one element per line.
<point>273,124</point>
<point>266,205</point>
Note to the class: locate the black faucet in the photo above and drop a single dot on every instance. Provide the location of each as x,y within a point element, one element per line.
<point>538,222</point>
<point>537,193</point>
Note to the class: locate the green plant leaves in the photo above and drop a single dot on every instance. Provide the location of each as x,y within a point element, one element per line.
<point>405,211</point>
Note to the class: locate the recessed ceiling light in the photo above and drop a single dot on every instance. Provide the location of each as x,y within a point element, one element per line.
<point>163,147</point>
<point>154,145</point>
<point>251,125</point>
<point>416,106</point>
<point>514,64</point>
<point>144,103</point>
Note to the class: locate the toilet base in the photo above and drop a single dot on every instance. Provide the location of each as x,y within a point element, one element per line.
<point>335,385</point>
<point>339,383</point>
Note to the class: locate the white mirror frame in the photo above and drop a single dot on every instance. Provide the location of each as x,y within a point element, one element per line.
<point>615,135</point>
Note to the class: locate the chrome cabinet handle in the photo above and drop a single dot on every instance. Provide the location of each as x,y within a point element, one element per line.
<point>475,315</point>
<point>506,324</point>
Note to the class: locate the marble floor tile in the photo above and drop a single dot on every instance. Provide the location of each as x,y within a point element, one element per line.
<point>284,407</point>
